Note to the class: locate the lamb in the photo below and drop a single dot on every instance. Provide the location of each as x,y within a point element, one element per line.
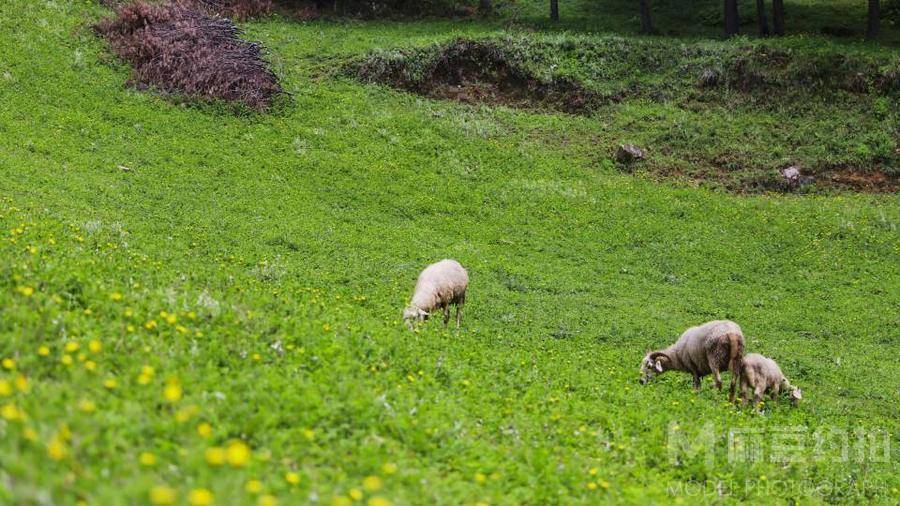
<point>439,285</point>
<point>706,349</point>
<point>762,374</point>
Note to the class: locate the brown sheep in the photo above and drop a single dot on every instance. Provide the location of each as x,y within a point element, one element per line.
<point>706,349</point>
<point>761,374</point>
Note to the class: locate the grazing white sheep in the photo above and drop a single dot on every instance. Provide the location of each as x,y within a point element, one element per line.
<point>440,285</point>
<point>705,349</point>
<point>762,374</point>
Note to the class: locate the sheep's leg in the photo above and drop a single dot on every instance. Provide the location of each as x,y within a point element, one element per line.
<point>446,314</point>
<point>458,311</point>
<point>744,394</point>
<point>757,396</point>
<point>696,382</point>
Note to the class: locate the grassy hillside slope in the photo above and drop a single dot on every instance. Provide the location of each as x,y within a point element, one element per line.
<point>248,272</point>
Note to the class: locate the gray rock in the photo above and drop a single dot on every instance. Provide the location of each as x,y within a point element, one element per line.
<point>628,153</point>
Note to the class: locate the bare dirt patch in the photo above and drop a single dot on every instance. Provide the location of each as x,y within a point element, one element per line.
<point>481,72</point>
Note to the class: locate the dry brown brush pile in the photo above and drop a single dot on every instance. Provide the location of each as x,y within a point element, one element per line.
<point>183,50</point>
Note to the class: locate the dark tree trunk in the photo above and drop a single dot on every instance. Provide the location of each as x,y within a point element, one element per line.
<point>646,20</point>
<point>778,16</point>
<point>554,10</point>
<point>731,18</point>
<point>761,20</point>
<point>874,20</point>
<point>484,6</point>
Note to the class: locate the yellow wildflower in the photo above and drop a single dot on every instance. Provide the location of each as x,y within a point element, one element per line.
<point>378,501</point>
<point>309,434</point>
<point>340,500</point>
<point>56,449</point>
<point>480,478</point>
<point>215,455</point>
<point>147,459</point>
<point>66,360</point>
<point>110,383</point>
<point>204,430</point>
<point>9,363</point>
<point>253,486</point>
<point>238,453</point>
<point>72,346</point>
<point>11,412</point>
<point>200,497</point>
<point>150,325</point>
<point>162,495</point>
<point>172,392</point>
<point>355,494</point>
<point>115,296</point>
<point>389,468</point>
<point>592,486</point>
<point>90,365</point>
<point>95,346</point>
<point>372,483</point>
<point>87,405</point>
<point>5,388</point>
<point>267,500</point>
<point>27,291</point>
<point>43,351</point>
<point>292,478</point>
<point>30,434</point>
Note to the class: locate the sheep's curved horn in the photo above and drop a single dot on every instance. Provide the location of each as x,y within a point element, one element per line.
<point>656,354</point>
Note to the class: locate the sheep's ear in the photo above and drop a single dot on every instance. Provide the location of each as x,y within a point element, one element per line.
<point>799,394</point>
<point>658,366</point>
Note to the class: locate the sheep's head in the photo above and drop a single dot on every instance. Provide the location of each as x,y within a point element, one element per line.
<point>795,394</point>
<point>413,314</point>
<point>653,364</point>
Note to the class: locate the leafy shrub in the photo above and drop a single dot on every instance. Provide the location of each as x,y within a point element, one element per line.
<point>178,49</point>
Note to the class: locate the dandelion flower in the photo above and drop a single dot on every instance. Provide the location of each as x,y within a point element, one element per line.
<point>115,296</point>
<point>604,484</point>
<point>309,434</point>
<point>200,497</point>
<point>56,449</point>
<point>162,495</point>
<point>253,486</point>
<point>292,478</point>
<point>72,346</point>
<point>5,388</point>
<point>43,351</point>
<point>480,478</point>
<point>147,459</point>
<point>389,468</point>
<point>237,453</point>
<point>66,360</point>
<point>150,325</point>
<point>172,392</point>
<point>378,501</point>
<point>204,430</point>
<point>110,383</point>
<point>9,363</point>
<point>87,405</point>
<point>372,483</point>
<point>95,346</point>
<point>11,412</point>
<point>267,500</point>
<point>355,494</point>
<point>30,434</point>
<point>340,500</point>
<point>215,455</point>
<point>592,486</point>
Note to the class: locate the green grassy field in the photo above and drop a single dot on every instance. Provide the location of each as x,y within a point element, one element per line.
<point>224,316</point>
